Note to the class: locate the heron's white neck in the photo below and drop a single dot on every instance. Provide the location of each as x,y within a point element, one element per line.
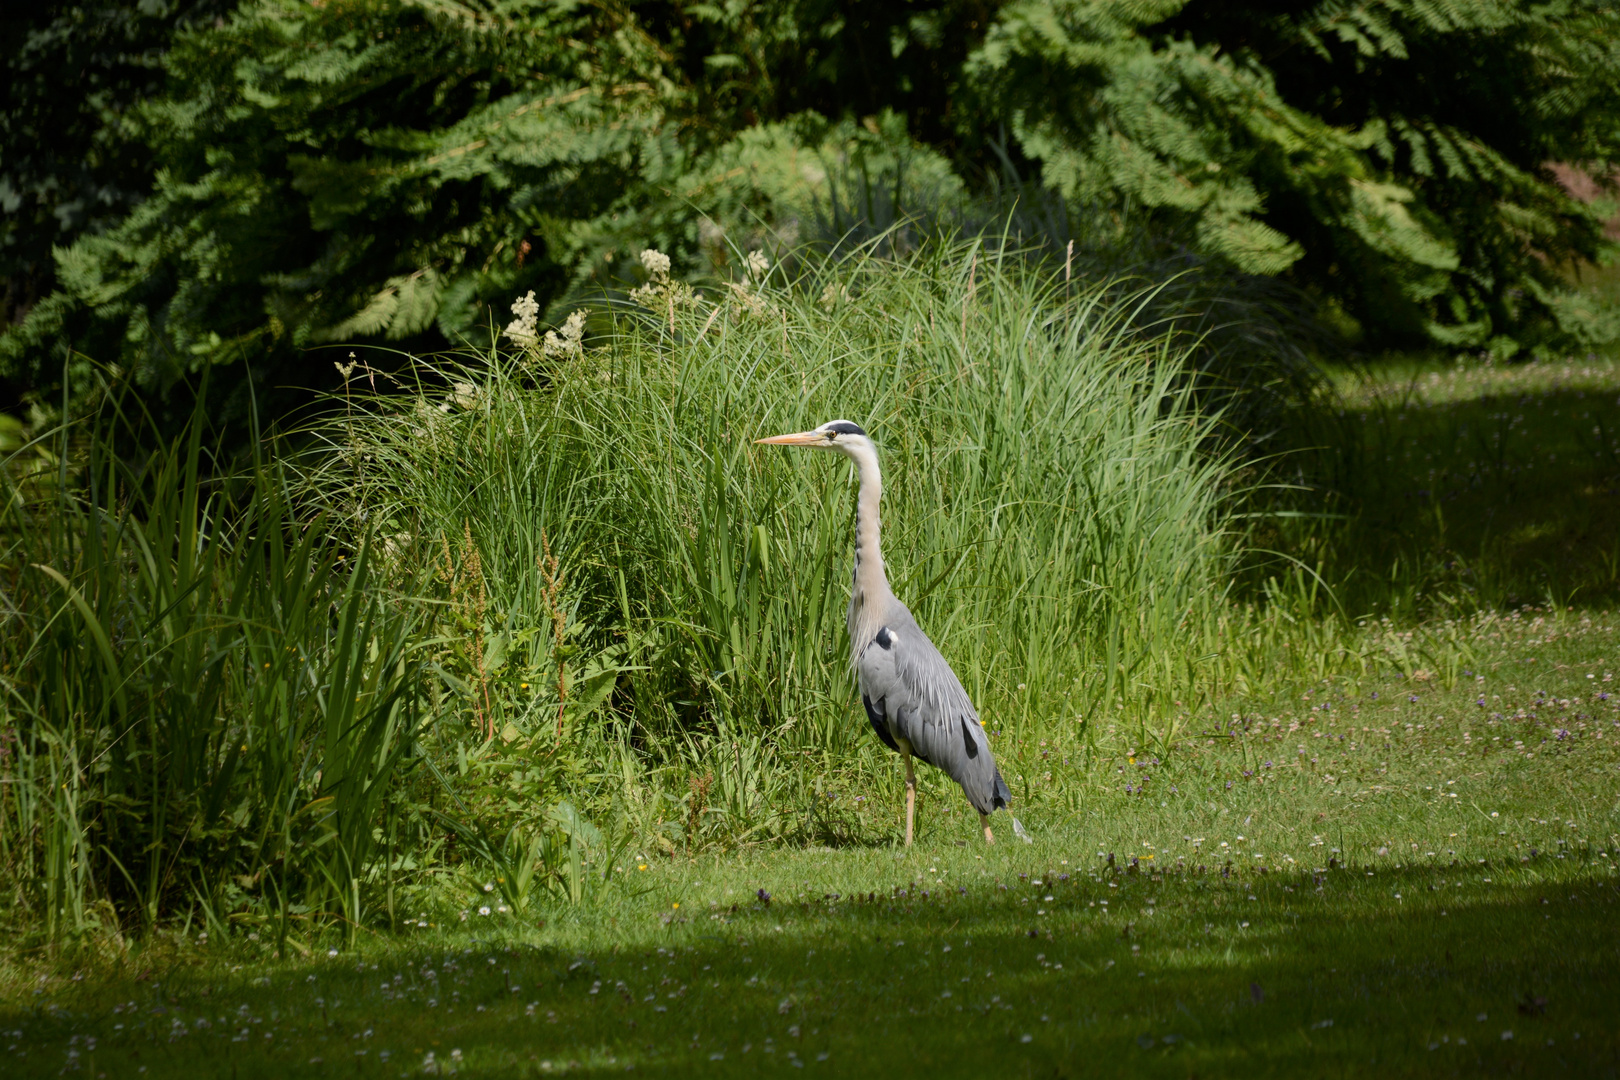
<point>869,592</point>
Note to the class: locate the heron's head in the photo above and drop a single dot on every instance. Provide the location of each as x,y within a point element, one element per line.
<point>843,436</point>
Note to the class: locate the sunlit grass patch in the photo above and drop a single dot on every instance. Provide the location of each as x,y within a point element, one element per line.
<point>1429,382</point>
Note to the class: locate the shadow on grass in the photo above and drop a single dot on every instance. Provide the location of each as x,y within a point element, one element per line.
<point>1488,500</point>
<point>1418,972</point>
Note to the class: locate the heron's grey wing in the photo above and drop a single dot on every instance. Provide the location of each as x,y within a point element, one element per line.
<point>907,685</point>
<point>878,683</point>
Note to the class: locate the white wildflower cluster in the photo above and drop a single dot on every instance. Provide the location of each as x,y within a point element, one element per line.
<point>660,293</point>
<point>756,264</point>
<point>657,264</point>
<point>525,328</point>
<point>755,267</point>
<point>462,396</point>
<point>568,341</point>
<point>657,284</point>
<point>746,298</point>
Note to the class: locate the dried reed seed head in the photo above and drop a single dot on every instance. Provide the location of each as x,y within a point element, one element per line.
<point>470,557</point>
<point>447,573</point>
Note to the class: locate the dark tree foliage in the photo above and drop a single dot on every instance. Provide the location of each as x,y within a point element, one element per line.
<point>1390,154</point>
<point>68,162</point>
<point>399,171</point>
<point>394,171</point>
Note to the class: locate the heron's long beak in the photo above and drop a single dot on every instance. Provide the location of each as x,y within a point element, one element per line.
<point>802,438</point>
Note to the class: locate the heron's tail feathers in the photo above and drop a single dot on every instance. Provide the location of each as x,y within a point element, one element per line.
<point>1018,831</point>
<point>1001,794</point>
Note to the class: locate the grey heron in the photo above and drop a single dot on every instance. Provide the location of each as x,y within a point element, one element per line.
<point>912,697</point>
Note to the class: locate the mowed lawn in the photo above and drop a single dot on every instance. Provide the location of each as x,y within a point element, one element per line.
<point>1384,876</point>
<point>1493,483</point>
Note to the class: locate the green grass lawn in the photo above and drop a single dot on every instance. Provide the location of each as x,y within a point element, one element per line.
<point>1489,484</point>
<point>1390,876</point>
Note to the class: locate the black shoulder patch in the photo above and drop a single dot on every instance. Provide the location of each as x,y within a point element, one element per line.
<point>967,739</point>
<point>845,427</point>
<point>884,639</point>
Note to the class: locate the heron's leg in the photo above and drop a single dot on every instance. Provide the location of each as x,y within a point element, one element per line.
<point>911,795</point>
<point>984,819</point>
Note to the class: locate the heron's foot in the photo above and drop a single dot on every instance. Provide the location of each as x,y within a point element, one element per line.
<point>989,837</point>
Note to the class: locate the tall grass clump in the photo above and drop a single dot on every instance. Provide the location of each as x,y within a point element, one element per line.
<point>642,590</point>
<point>207,704</point>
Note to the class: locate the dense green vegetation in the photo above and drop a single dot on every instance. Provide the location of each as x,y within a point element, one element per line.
<point>536,660</point>
<point>569,572</point>
<point>408,661</point>
<point>202,696</point>
<point>70,163</point>
<point>548,603</point>
<point>388,171</point>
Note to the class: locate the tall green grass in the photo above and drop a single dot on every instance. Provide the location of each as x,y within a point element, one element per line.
<point>1053,514</point>
<point>207,703</point>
